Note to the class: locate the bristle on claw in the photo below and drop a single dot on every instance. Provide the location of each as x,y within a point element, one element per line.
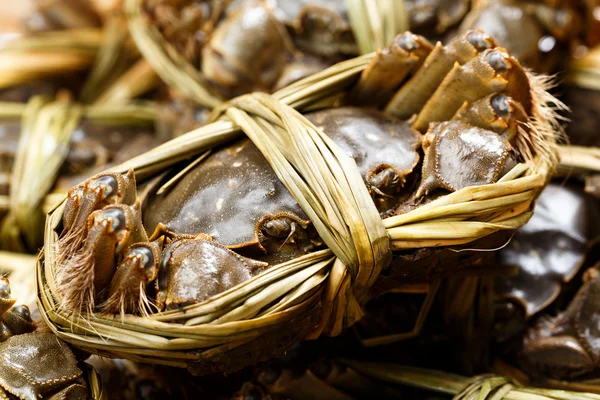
<point>541,134</point>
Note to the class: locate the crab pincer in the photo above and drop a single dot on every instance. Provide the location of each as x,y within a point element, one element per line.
<point>195,269</point>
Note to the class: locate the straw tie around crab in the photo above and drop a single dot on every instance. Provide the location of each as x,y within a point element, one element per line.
<point>326,184</point>
<point>173,68</point>
<point>46,129</point>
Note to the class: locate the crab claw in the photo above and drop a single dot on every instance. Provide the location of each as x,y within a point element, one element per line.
<point>87,274</point>
<point>138,266</point>
<point>14,320</point>
<point>412,96</point>
<point>485,74</point>
<point>458,155</point>
<point>389,68</point>
<point>193,270</point>
<point>18,320</point>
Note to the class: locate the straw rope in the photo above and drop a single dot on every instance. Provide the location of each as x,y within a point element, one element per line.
<point>481,387</point>
<point>326,184</point>
<point>46,129</point>
<point>174,69</point>
<point>375,23</point>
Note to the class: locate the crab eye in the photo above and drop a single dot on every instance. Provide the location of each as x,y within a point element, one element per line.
<point>480,41</point>
<point>407,41</point>
<point>277,228</point>
<point>116,216</point>
<point>4,289</point>
<point>497,60</point>
<point>108,183</point>
<point>501,105</point>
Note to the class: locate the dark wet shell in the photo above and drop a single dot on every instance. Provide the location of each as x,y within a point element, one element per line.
<point>511,27</point>
<point>461,155</point>
<point>33,363</point>
<point>289,11</point>
<point>550,248</point>
<point>228,193</point>
<point>188,274</point>
<point>587,318</point>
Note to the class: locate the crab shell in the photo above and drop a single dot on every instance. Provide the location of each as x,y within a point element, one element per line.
<point>568,345</point>
<point>38,364</point>
<point>229,193</point>
<point>549,251</point>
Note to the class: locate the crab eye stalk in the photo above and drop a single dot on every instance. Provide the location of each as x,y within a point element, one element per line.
<point>277,228</point>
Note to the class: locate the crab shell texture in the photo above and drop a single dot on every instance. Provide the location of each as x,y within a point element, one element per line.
<point>318,27</point>
<point>38,365</point>
<point>231,193</point>
<point>567,346</point>
<point>548,251</point>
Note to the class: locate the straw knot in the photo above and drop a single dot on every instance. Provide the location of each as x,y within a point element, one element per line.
<point>322,178</point>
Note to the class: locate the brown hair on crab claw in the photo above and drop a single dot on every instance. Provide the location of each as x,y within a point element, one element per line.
<point>86,276</point>
<point>137,267</point>
<point>83,199</point>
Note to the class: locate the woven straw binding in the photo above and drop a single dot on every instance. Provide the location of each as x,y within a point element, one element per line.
<point>334,279</point>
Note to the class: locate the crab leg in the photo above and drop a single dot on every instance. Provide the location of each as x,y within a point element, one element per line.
<point>83,199</point>
<point>483,75</point>
<point>137,267</point>
<point>497,112</point>
<point>414,94</point>
<point>85,276</point>
<point>389,68</point>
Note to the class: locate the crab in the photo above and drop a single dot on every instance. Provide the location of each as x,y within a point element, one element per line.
<point>227,217</point>
<point>533,32</point>
<point>318,27</point>
<point>34,364</point>
<point>247,51</point>
<point>549,251</point>
<point>566,346</point>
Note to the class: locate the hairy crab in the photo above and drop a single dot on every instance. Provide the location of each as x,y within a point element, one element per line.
<point>566,346</point>
<point>203,246</point>
<point>548,252</point>
<point>35,364</point>
<point>537,33</point>
<point>82,146</point>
